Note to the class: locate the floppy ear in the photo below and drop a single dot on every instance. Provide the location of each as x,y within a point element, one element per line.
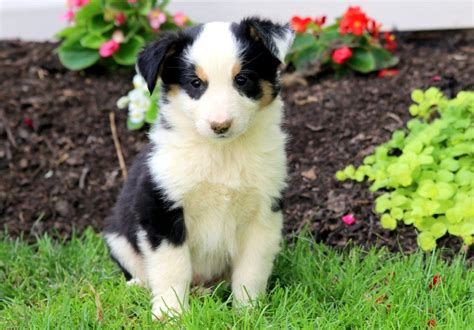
<point>150,59</point>
<point>275,37</point>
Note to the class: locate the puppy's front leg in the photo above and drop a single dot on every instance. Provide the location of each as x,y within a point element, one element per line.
<point>258,245</point>
<point>169,275</point>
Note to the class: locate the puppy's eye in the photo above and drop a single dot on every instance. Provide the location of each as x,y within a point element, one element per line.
<point>240,80</point>
<point>196,83</point>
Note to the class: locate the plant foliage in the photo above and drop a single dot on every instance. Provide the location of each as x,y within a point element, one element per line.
<point>427,170</point>
<point>112,31</point>
<point>353,42</point>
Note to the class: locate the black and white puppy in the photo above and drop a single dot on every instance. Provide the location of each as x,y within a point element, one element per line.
<point>202,201</point>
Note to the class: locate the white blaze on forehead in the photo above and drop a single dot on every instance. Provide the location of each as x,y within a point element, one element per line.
<point>216,51</point>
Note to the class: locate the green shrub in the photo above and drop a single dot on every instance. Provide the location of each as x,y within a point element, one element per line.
<point>427,170</point>
<point>112,31</point>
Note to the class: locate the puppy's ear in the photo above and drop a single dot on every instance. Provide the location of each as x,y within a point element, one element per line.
<point>275,37</point>
<point>151,59</point>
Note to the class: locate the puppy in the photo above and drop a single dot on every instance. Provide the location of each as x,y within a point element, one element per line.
<point>203,199</point>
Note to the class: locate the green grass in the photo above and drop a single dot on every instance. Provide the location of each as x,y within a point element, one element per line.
<point>74,285</point>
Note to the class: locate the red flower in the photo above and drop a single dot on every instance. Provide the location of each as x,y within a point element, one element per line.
<point>109,48</point>
<point>341,55</point>
<point>374,28</point>
<point>300,24</point>
<point>390,43</point>
<point>120,19</point>
<point>387,73</point>
<point>28,122</point>
<point>431,323</point>
<point>354,21</point>
<point>434,281</point>
<point>319,21</point>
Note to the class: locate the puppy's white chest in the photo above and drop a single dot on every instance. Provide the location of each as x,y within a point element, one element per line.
<point>215,216</point>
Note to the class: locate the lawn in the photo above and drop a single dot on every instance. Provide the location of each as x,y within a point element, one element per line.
<point>73,284</point>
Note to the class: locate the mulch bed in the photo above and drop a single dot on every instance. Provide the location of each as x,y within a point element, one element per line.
<point>59,169</point>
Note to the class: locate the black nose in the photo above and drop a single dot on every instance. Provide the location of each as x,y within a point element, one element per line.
<point>220,128</point>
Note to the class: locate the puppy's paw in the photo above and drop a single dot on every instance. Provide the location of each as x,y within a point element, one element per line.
<point>135,281</point>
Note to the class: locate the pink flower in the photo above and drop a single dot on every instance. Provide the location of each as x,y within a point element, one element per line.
<point>349,219</point>
<point>180,19</point>
<point>341,55</point>
<point>132,1</point>
<point>109,48</point>
<point>120,19</point>
<point>156,18</point>
<point>68,15</point>
<point>77,3</point>
<point>436,78</point>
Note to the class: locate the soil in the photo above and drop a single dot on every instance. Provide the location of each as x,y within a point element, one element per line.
<point>59,169</point>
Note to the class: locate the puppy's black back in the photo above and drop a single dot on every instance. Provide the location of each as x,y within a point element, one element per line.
<point>143,206</point>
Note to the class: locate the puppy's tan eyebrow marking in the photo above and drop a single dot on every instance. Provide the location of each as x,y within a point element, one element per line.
<point>173,90</point>
<point>236,69</point>
<point>200,73</point>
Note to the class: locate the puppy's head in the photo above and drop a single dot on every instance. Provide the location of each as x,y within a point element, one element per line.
<point>218,74</point>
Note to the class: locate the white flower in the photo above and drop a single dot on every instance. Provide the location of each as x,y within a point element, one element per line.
<point>123,102</point>
<point>140,105</point>
<point>136,117</point>
<point>137,95</point>
<point>139,82</point>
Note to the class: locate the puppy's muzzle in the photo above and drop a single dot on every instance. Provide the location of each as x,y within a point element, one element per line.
<point>221,127</point>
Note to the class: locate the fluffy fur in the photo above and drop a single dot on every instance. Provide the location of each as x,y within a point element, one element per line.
<point>203,199</point>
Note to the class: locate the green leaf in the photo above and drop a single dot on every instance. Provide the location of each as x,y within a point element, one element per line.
<point>396,213</point>
<point>306,57</point>
<point>438,229</point>
<point>85,14</point>
<point>76,57</point>
<point>93,41</point>
<point>388,222</point>
<point>134,126</point>
<point>302,41</point>
<point>64,33</point>
<point>382,203</point>
<point>444,176</point>
<point>340,176</point>
<point>349,171</point>
<point>127,54</point>
<point>426,241</point>
<point>98,25</point>
<point>417,96</point>
<point>152,112</point>
<point>383,58</point>
<point>362,60</point>
<point>449,164</point>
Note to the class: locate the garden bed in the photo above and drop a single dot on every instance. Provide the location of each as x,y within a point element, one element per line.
<point>59,169</point>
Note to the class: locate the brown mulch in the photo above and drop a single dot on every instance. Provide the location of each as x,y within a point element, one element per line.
<point>62,171</point>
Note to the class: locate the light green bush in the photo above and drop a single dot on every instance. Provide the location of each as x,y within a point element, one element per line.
<point>426,170</point>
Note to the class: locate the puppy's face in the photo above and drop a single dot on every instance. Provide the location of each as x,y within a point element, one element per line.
<point>218,74</point>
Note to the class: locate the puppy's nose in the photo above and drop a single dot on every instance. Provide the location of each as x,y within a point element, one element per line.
<point>221,127</point>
